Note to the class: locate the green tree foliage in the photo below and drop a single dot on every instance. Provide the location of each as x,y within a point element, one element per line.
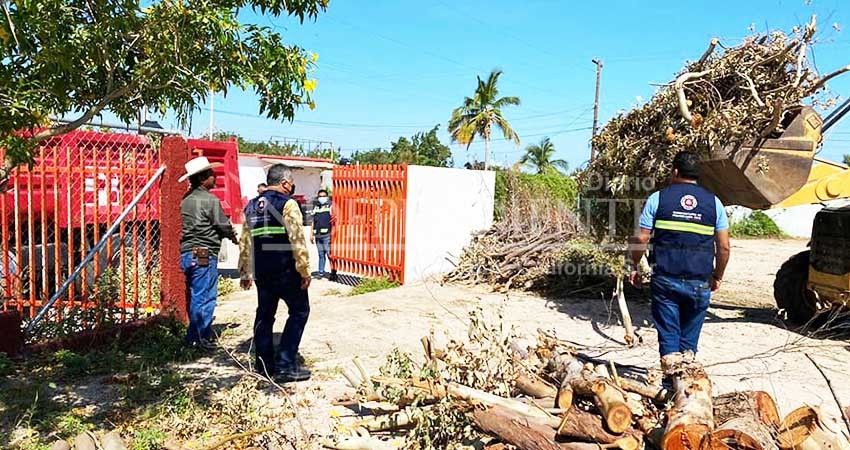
<point>81,57</point>
<point>480,113</point>
<point>757,224</point>
<point>423,148</point>
<point>847,160</point>
<point>551,185</point>
<point>539,157</point>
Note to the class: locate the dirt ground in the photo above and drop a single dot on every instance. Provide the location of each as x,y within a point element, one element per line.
<point>743,344</point>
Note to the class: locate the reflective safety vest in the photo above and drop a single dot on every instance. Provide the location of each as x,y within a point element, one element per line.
<point>683,233</point>
<point>322,219</point>
<point>272,250</point>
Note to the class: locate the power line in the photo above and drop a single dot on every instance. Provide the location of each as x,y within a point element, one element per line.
<point>320,123</point>
<point>430,53</point>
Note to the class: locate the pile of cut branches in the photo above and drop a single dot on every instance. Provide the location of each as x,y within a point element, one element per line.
<point>720,101</point>
<point>499,390</point>
<point>519,249</point>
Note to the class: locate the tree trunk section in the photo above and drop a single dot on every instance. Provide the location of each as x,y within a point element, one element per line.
<point>585,426</point>
<point>610,400</point>
<point>806,429</point>
<point>691,419</point>
<point>744,433</point>
<point>757,404</point>
<point>533,386</point>
<point>522,432</point>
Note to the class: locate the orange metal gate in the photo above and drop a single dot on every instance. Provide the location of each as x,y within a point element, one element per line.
<point>368,234</point>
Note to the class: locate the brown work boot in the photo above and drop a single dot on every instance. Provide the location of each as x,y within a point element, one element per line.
<point>671,362</point>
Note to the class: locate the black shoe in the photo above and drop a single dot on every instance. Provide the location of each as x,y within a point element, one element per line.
<point>292,374</point>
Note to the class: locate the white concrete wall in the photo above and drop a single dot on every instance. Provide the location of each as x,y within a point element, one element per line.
<point>444,208</point>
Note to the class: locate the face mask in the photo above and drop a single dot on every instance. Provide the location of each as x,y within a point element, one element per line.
<point>323,200</point>
<point>292,191</point>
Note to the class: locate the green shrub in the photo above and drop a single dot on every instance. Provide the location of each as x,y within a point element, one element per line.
<point>148,439</point>
<point>552,186</point>
<point>226,286</point>
<point>373,285</point>
<point>757,224</point>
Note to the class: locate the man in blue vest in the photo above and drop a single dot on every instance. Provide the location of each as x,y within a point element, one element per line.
<point>281,270</point>
<point>322,229</point>
<point>690,248</point>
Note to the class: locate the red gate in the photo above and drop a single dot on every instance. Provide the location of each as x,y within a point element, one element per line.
<point>368,235</point>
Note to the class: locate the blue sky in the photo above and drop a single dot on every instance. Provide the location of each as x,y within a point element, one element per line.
<point>392,68</point>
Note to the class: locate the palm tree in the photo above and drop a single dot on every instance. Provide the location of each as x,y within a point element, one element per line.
<point>480,113</point>
<point>539,156</point>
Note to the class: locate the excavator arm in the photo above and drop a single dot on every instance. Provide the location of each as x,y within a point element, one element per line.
<point>827,181</point>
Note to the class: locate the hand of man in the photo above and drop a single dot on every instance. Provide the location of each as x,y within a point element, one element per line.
<point>635,279</point>
<point>245,283</point>
<point>312,239</point>
<point>715,284</point>
<point>305,283</point>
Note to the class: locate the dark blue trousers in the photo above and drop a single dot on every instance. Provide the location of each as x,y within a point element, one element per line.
<point>678,310</point>
<point>269,292</point>
<point>202,284</point>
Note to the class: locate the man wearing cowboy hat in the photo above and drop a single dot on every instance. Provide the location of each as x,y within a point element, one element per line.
<point>204,227</point>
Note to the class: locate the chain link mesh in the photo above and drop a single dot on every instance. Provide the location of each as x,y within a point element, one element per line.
<point>55,211</point>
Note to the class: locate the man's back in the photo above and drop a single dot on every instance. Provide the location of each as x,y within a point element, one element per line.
<point>204,221</point>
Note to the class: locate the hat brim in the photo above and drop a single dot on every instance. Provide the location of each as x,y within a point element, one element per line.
<point>199,170</point>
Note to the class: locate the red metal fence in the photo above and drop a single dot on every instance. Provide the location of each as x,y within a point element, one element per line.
<point>55,211</point>
<point>368,235</point>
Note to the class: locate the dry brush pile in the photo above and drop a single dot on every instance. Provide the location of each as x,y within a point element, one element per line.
<point>724,99</point>
<point>498,390</point>
<point>537,244</point>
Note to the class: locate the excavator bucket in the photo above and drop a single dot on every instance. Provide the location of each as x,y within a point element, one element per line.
<point>762,174</point>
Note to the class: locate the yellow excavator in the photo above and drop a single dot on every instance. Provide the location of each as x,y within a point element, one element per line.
<point>780,171</point>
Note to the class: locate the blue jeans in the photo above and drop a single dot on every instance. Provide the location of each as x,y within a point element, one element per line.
<point>678,310</point>
<point>202,284</point>
<point>269,292</point>
<point>323,244</point>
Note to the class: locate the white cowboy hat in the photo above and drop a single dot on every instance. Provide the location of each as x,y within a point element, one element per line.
<point>197,165</point>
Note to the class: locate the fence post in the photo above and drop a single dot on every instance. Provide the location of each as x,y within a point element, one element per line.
<point>174,154</point>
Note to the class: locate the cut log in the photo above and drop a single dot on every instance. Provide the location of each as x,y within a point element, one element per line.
<point>744,433</point>
<point>585,426</point>
<point>757,404</point>
<point>487,399</point>
<point>522,432</point>
<point>534,386</point>
<point>806,429</point>
<point>652,392</point>
<point>567,372</point>
<point>690,421</point>
<point>610,400</point>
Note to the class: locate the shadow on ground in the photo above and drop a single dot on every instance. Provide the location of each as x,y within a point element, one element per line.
<point>602,312</point>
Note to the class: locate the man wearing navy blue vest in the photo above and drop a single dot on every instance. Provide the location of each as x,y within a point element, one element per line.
<point>322,229</point>
<point>687,228</point>
<point>281,269</point>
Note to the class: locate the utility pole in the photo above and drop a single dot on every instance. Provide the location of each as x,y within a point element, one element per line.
<point>212,107</point>
<point>598,63</point>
